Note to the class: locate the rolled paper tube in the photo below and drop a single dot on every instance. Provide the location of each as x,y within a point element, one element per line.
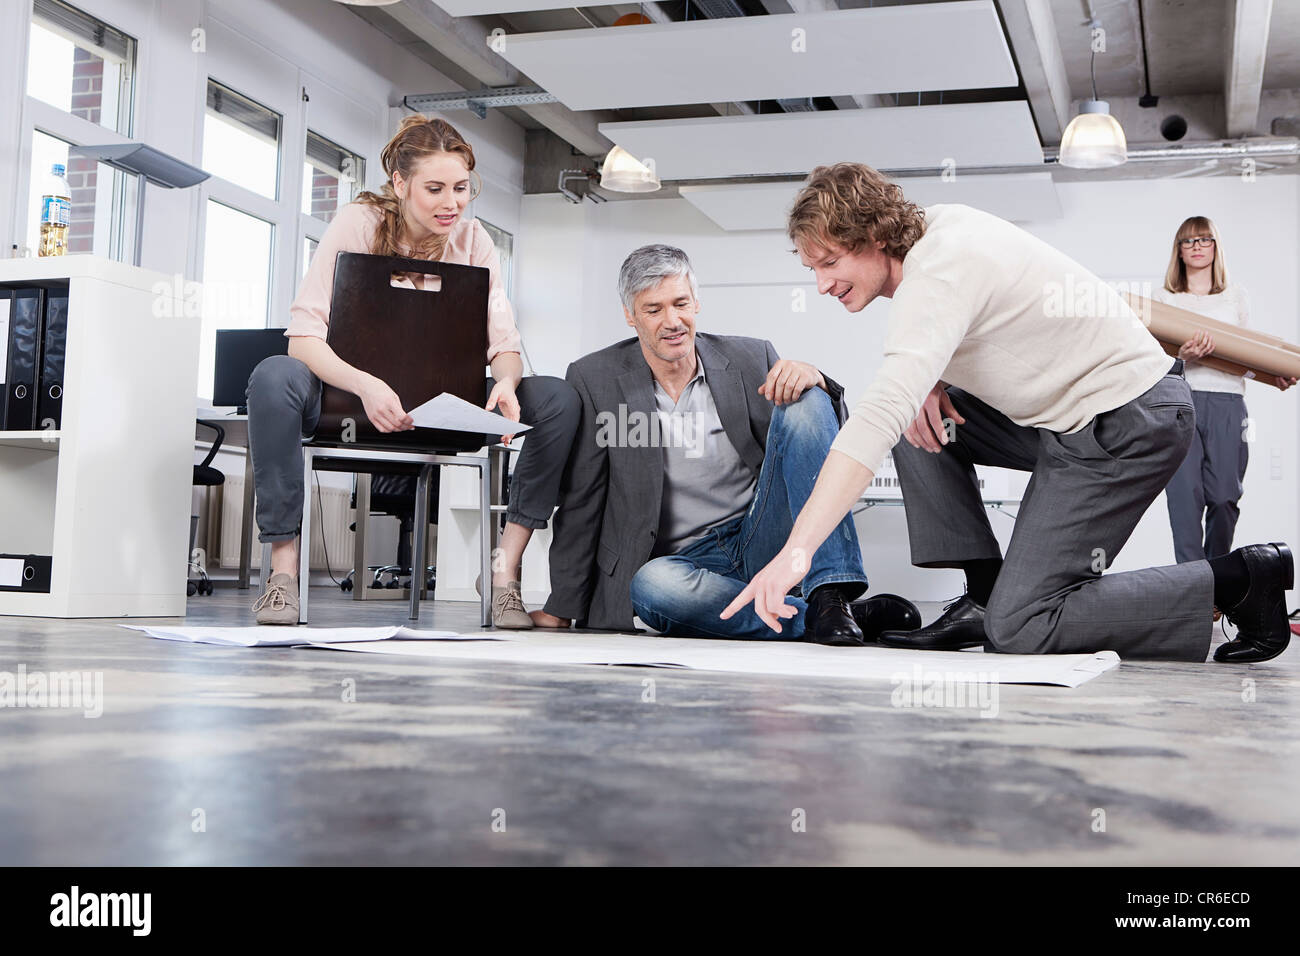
<point>1236,350</point>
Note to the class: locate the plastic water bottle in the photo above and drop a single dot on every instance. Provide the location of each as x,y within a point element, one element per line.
<point>56,211</point>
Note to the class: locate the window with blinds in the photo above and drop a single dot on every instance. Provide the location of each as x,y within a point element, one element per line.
<point>241,140</point>
<point>81,65</point>
<point>331,177</point>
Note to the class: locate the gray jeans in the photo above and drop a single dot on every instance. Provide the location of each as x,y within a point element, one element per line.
<point>1088,491</point>
<point>283,408</point>
<point>1208,483</point>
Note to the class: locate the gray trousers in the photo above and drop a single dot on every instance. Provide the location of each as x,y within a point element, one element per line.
<point>284,406</point>
<point>1208,483</point>
<point>1087,492</point>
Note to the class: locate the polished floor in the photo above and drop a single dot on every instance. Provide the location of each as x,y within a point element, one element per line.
<point>210,755</point>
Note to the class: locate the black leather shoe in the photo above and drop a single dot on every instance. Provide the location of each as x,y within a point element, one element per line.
<point>828,619</point>
<point>1263,629</point>
<point>884,612</point>
<point>960,625</point>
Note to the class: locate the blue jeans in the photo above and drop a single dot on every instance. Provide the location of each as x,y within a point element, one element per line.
<point>682,594</point>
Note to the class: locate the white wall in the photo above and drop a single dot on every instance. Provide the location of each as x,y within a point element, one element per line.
<point>750,284</point>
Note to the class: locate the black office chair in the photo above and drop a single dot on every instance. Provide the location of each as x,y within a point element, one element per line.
<point>208,477</point>
<point>394,494</point>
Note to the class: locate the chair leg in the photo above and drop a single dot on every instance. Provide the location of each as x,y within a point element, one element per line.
<point>359,538</point>
<point>421,533</point>
<point>484,537</point>
<point>266,565</point>
<point>304,540</point>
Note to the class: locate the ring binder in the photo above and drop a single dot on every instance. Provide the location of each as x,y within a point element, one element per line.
<point>25,572</point>
<point>18,405</point>
<point>54,337</point>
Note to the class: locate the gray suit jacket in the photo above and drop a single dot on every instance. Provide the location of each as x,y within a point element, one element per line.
<point>608,514</point>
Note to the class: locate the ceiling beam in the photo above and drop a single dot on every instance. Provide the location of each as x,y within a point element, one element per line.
<point>1245,73</point>
<point>1033,36</point>
<point>465,42</point>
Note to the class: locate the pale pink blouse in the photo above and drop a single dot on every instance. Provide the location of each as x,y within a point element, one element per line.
<point>352,231</point>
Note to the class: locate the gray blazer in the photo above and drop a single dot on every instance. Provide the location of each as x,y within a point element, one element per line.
<point>608,515</point>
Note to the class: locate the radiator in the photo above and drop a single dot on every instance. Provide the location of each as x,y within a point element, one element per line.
<point>330,517</point>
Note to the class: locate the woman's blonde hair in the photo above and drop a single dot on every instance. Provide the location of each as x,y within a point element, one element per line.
<point>1176,274</point>
<point>851,205</point>
<point>417,138</point>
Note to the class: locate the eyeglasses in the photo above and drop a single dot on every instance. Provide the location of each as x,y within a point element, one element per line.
<point>1196,241</point>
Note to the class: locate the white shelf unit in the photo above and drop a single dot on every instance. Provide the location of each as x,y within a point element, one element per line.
<point>107,495</point>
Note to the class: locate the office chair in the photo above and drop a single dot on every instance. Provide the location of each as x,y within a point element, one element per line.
<point>394,495</point>
<point>207,477</point>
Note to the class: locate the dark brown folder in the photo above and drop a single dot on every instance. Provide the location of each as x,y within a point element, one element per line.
<point>422,343</point>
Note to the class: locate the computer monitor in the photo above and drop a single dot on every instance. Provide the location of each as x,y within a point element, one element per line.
<point>238,352</point>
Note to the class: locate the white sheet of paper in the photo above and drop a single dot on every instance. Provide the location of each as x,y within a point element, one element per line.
<point>271,635</point>
<point>457,415</point>
<point>780,658</point>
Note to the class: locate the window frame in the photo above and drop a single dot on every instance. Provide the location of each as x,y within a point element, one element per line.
<point>36,115</point>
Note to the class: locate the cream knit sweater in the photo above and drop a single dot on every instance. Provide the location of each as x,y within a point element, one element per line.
<point>987,307</point>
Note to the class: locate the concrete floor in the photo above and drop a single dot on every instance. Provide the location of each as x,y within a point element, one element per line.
<point>432,759</point>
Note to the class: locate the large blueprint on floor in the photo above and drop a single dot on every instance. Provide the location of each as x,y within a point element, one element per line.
<point>779,658</point>
<point>773,658</point>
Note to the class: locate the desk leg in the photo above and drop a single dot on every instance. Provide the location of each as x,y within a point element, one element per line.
<point>246,522</point>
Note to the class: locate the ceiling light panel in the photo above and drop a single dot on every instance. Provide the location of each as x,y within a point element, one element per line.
<point>1015,197</point>
<point>956,137</point>
<point>475,8</point>
<point>931,46</point>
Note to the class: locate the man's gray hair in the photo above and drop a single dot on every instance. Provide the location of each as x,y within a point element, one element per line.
<point>646,267</point>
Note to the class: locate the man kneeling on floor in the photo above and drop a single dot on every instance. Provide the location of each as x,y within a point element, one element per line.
<point>693,456</point>
<point>1083,398</point>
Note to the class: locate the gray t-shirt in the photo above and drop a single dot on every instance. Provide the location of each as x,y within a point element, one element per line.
<point>705,481</point>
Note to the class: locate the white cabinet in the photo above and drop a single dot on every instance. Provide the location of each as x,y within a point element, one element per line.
<point>107,495</point>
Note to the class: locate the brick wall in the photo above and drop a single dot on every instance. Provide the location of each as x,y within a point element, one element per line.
<point>324,195</point>
<point>87,97</point>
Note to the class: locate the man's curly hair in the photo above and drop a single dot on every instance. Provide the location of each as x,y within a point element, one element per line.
<point>851,205</point>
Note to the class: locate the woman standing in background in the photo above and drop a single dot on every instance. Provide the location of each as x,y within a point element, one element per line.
<point>1208,484</point>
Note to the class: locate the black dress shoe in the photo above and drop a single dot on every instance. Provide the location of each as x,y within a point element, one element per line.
<point>960,625</point>
<point>884,612</point>
<point>828,619</point>
<point>1263,629</point>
